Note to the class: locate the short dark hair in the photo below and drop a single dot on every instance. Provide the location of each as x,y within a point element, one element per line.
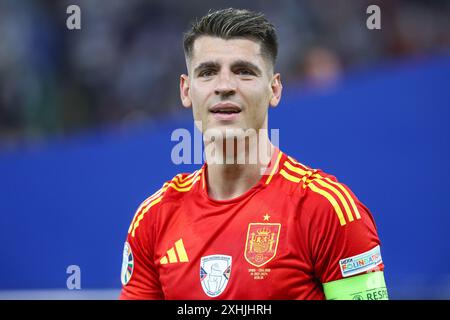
<point>234,23</point>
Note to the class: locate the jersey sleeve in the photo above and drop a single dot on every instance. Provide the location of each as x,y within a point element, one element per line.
<point>343,238</point>
<point>139,275</point>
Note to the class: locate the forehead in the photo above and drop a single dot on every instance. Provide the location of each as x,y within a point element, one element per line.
<point>207,48</point>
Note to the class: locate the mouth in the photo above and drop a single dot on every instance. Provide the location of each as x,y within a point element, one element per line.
<point>225,108</point>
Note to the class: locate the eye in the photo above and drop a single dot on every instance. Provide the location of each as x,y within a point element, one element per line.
<point>207,73</point>
<point>245,72</point>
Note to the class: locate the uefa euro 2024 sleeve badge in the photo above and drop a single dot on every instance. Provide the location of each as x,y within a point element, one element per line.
<point>127,264</point>
<point>215,271</point>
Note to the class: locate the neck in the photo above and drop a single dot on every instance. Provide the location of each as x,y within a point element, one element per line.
<point>238,168</point>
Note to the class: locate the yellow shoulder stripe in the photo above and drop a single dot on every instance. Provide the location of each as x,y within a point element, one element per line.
<point>332,201</point>
<point>340,196</point>
<point>289,176</point>
<point>180,182</point>
<point>141,216</point>
<point>328,188</point>
<point>184,189</point>
<point>157,197</point>
<point>180,179</point>
<point>349,197</point>
<point>275,167</point>
<point>146,202</point>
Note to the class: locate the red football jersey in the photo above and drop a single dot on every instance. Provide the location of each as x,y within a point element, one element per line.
<point>296,229</point>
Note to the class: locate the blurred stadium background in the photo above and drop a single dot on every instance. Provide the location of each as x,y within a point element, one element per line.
<point>86,118</point>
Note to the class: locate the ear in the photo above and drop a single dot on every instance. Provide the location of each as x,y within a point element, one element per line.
<point>277,88</point>
<point>184,91</point>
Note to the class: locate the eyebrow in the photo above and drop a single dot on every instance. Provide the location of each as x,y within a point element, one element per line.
<point>246,65</point>
<point>234,65</point>
<point>206,65</point>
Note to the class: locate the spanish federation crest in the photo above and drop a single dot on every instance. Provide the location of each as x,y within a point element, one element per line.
<point>127,264</point>
<point>215,271</point>
<point>262,243</point>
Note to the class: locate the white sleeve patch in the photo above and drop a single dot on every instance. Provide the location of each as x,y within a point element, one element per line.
<point>127,264</point>
<point>361,262</point>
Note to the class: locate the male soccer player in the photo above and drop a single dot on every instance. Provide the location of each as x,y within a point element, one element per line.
<point>247,229</point>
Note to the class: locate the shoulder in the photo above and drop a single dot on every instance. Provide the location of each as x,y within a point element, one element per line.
<point>320,193</point>
<point>171,191</point>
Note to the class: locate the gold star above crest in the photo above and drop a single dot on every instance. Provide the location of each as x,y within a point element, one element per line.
<point>266,217</point>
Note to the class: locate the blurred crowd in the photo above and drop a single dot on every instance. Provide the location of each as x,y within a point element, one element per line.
<point>123,66</point>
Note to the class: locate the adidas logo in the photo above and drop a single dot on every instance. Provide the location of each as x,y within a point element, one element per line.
<point>172,253</point>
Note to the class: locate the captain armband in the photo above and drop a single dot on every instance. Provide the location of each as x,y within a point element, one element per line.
<point>368,286</point>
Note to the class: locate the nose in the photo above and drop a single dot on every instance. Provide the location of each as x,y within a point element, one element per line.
<point>226,85</point>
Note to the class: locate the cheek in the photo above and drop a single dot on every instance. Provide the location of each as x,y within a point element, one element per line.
<point>198,101</point>
<point>258,100</point>
<point>200,92</point>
